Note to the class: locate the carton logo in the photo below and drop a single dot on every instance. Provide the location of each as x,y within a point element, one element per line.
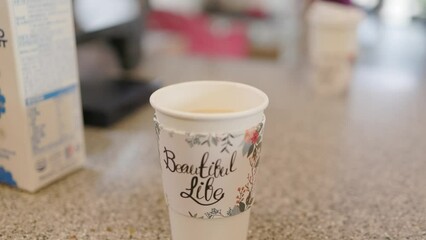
<point>2,104</point>
<point>6,177</point>
<point>3,39</point>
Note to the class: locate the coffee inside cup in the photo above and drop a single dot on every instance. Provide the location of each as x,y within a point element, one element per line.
<point>209,100</point>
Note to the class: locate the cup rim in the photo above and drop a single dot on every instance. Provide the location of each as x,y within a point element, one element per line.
<point>210,116</point>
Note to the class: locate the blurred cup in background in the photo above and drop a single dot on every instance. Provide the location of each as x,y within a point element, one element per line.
<point>332,45</point>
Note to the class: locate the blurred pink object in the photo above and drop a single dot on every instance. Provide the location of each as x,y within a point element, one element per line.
<point>205,35</point>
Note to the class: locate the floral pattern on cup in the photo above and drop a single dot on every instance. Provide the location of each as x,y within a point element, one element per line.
<point>252,147</point>
<point>248,143</point>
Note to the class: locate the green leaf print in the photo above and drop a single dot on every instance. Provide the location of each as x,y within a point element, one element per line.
<point>250,151</point>
<point>242,207</point>
<point>246,148</point>
<point>214,141</point>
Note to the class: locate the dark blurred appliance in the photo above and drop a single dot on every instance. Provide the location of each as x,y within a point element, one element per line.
<point>119,23</point>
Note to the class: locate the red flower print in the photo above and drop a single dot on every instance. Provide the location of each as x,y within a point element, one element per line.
<point>255,137</point>
<point>251,136</point>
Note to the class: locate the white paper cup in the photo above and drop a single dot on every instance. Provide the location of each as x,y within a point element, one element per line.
<point>209,136</point>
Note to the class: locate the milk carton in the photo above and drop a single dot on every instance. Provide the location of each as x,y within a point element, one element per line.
<point>41,137</point>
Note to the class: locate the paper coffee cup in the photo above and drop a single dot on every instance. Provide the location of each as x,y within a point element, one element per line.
<point>210,138</point>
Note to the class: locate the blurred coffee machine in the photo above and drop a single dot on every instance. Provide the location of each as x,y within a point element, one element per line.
<point>119,23</point>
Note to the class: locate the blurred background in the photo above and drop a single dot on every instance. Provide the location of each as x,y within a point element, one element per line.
<point>326,45</point>
<point>344,146</point>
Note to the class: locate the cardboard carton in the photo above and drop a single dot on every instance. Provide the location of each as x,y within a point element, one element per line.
<point>41,130</point>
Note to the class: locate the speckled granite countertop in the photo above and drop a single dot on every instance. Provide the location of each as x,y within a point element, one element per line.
<point>350,167</point>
